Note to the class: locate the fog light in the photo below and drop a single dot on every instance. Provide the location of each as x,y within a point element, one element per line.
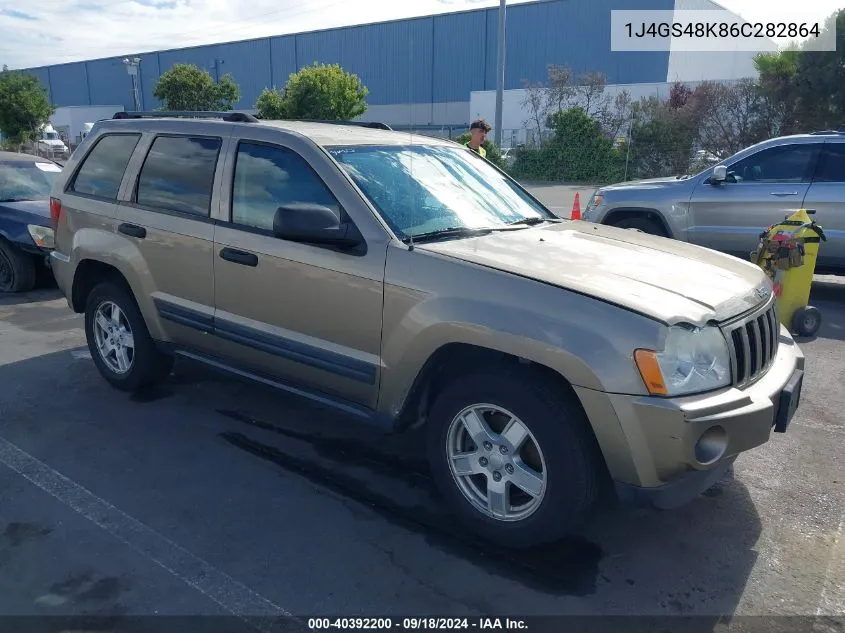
<point>711,445</point>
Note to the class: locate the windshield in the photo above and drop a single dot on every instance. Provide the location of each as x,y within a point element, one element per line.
<point>51,136</point>
<point>26,181</point>
<point>423,189</point>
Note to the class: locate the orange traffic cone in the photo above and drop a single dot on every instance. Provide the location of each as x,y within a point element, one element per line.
<point>576,207</point>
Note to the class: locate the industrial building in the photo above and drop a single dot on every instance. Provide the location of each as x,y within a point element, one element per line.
<point>421,72</point>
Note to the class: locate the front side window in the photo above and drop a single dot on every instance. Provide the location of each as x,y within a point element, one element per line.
<point>782,164</point>
<point>831,164</point>
<point>102,170</point>
<point>423,189</point>
<point>268,177</point>
<point>178,174</point>
<point>24,180</point>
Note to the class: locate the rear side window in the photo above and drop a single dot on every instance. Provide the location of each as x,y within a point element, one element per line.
<point>178,174</point>
<point>831,164</point>
<point>102,169</point>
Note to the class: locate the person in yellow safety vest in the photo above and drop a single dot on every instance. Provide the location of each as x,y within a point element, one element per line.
<point>478,131</point>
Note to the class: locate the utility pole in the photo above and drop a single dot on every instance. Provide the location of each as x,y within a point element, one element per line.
<point>500,76</point>
<point>132,64</point>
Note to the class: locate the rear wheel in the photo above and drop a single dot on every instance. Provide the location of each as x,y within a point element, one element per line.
<point>17,269</point>
<point>119,341</point>
<point>641,224</point>
<point>514,457</point>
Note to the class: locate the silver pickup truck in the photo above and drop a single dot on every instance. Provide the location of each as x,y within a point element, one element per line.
<point>727,206</point>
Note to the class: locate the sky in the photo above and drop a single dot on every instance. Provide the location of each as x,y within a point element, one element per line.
<point>55,31</point>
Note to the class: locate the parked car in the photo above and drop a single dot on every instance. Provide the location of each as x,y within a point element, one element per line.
<point>406,283</point>
<point>727,206</point>
<point>51,144</point>
<point>26,233</point>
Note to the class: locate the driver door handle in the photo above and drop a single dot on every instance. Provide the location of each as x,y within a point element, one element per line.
<point>781,194</point>
<point>239,257</point>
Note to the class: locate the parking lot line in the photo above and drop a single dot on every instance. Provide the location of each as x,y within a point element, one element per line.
<point>230,594</point>
<point>832,596</point>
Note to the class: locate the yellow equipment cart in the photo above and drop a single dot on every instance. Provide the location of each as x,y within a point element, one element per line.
<point>787,252</point>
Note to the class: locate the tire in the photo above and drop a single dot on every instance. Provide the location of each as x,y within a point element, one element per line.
<point>147,364</point>
<point>641,224</point>
<point>571,462</point>
<point>17,269</point>
<point>806,321</point>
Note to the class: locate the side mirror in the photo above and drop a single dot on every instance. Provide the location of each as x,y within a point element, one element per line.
<point>314,224</point>
<point>720,174</point>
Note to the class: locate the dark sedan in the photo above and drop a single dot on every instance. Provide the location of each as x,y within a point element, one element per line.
<point>26,233</point>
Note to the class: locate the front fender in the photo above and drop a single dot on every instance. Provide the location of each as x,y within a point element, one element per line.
<point>586,341</point>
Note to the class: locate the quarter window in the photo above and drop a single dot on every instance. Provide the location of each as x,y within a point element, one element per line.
<point>268,177</point>
<point>102,170</point>
<point>785,163</point>
<point>178,174</point>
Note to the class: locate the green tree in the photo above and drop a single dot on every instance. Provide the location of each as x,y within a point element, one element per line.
<point>820,81</point>
<point>494,154</point>
<point>579,149</point>
<point>186,87</point>
<point>777,85</point>
<point>662,139</point>
<point>321,91</point>
<point>24,106</point>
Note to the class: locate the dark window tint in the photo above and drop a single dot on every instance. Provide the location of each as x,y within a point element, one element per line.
<point>785,163</point>
<point>267,178</point>
<point>831,164</point>
<point>102,170</point>
<point>178,174</point>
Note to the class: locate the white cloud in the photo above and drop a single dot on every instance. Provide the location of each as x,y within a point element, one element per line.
<point>72,30</point>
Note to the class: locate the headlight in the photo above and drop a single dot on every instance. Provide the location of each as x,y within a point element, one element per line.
<point>691,361</point>
<point>43,236</point>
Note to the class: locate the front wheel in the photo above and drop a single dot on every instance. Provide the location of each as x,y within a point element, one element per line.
<point>120,344</point>
<point>514,457</point>
<point>17,269</point>
<point>641,224</point>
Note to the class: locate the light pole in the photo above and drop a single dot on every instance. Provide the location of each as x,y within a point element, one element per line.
<point>132,64</point>
<point>500,76</point>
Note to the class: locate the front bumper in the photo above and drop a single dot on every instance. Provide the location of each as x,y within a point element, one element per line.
<point>666,451</point>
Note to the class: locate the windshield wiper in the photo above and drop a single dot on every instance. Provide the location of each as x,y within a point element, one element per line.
<point>534,221</point>
<point>455,231</point>
<point>16,199</point>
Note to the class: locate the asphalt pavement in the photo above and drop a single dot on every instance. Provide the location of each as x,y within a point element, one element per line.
<point>210,496</point>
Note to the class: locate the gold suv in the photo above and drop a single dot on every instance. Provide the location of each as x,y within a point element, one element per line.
<point>406,281</point>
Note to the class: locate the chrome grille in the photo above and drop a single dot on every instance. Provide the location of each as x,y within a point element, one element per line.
<point>753,344</point>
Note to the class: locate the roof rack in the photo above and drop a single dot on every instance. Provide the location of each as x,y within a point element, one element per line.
<point>229,117</point>
<point>368,124</point>
<point>826,132</point>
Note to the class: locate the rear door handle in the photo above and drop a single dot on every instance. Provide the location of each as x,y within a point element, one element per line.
<point>133,230</point>
<point>239,257</point>
<point>781,194</point>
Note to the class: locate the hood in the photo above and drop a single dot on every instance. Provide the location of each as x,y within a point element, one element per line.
<point>650,183</point>
<point>51,142</point>
<point>39,209</point>
<point>668,280</point>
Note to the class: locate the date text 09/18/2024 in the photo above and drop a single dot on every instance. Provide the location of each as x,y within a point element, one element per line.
<point>417,624</point>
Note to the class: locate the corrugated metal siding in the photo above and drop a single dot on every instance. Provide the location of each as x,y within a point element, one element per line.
<point>574,33</point>
<point>109,82</point>
<point>422,60</point>
<point>43,75</point>
<point>283,59</point>
<point>459,54</point>
<point>250,66</point>
<point>69,84</point>
<point>150,72</point>
<point>393,59</point>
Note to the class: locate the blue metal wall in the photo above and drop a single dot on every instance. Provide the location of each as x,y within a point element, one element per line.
<point>432,59</point>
